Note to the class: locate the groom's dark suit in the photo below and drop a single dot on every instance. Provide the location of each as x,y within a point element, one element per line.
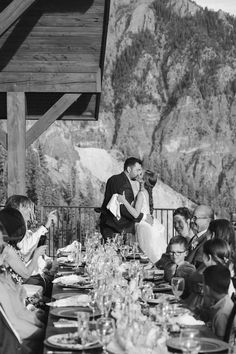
<point>108,222</point>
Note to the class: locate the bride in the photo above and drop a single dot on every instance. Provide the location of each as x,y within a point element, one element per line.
<point>151,238</point>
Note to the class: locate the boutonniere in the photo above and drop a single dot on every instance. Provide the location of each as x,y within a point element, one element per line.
<point>194,243</point>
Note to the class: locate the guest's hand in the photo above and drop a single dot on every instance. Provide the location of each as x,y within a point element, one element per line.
<point>40,251</point>
<point>52,217</point>
<point>149,219</point>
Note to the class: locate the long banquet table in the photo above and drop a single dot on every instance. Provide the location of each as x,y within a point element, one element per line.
<point>52,330</point>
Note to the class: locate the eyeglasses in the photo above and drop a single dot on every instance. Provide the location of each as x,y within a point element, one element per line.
<point>177,253</point>
<point>195,218</point>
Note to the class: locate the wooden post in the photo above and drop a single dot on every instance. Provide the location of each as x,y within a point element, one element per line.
<point>16,129</point>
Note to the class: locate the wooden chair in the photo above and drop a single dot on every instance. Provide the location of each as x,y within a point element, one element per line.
<point>230,322</point>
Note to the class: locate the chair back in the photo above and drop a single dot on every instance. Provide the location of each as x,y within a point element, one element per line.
<point>230,321</point>
<point>9,340</point>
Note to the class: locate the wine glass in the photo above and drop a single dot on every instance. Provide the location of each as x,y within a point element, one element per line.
<point>83,321</point>
<point>105,330</point>
<point>124,250</point>
<point>189,339</point>
<point>93,303</point>
<point>147,293</point>
<point>177,284</point>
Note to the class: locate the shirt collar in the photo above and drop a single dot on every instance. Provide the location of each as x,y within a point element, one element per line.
<point>219,304</point>
<point>201,233</point>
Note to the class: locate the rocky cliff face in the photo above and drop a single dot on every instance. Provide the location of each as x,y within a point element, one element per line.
<point>168,97</point>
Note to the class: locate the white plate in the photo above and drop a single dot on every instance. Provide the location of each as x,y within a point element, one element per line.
<point>208,345</point>
<point>159,298</point>
<point>62,341</point>
<point>162,287</point>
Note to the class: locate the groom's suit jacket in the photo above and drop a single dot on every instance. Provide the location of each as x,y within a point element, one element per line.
<point>118,184</point>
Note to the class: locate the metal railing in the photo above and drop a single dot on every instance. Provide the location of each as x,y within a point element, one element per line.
<point>77,222</point>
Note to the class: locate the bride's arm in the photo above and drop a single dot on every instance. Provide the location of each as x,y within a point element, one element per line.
<point>134,211</point>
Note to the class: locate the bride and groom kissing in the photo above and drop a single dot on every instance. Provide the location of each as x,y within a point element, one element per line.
<point>134,210</point>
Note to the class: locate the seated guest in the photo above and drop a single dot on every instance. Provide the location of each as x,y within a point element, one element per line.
<point>223,229</point>
<point>216,286</point>
<point>26,324</point>
<point>177,266</point>
<point>181,221</point>
<point>215,251</point>
<point>44,271</point>
<point>202,216</point>
<point>31,239</point>
<point>14,224</point>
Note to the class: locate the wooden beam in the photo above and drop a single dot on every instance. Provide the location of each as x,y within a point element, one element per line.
<point>12,12</point>
<point>3,138</point>
<point>16,142</point>
<point>49,82</point>
<point>50,116</point>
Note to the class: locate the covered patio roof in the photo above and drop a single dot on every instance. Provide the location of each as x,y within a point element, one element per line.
<point>51,65</point>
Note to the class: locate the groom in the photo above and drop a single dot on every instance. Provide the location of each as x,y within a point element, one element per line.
<point>120,184</point>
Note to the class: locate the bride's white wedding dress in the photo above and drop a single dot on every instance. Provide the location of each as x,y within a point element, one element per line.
<point>151,238</point>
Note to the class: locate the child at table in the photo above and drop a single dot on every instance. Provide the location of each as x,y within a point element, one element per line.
<point>177,266</point>
<point>216,287</point>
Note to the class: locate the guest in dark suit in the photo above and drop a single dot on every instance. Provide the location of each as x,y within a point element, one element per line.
<point>202,216</point>
<point>121,184</point>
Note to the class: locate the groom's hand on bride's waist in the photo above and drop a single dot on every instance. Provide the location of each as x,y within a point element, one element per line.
<point>149,219</point>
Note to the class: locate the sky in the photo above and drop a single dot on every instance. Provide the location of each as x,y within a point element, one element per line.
<point>225,5</point>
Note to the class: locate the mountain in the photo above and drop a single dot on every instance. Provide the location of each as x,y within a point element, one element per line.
<point>168,97</point>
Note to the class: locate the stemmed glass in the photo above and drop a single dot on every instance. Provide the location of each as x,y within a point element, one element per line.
<point>93,303</point>
<point>105,330</point>
<point>83,321</point>
<point>147,293</point>
<point>177,284</point>
<point>107,300</point>
<point>189,341</point>
<point>124,250</point>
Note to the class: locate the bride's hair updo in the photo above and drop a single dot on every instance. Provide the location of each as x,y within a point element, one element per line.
<point>150,178</point>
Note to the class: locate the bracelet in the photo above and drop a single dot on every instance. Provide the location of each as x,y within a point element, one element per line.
<point>45,227</point>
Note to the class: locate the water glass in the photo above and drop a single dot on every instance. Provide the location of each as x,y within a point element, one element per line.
<point>83,324</point>
<point>189,339</point>
<point>147,292</point>
<point>105,330</point>
<point>177,284</point>
<point>124,250</point>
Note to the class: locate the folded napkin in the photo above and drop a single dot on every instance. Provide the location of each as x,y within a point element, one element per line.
<point>32,290</point>
<point>70,248</point>
<point>187,319</point>
<point>63,323</point>
<point>75,300</point>
<point>69,279</point>
<point>114,206</point>
<point>62,259</point>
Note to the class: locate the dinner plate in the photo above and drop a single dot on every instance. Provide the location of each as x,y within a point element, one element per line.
<point>70,312</point>
<point>162,287</point>
<point>132,256</point>
<point>61,341</point>
<point>64,295</point>
<point>160,298</point>
<point>76,285</point>
<point>208,345</point>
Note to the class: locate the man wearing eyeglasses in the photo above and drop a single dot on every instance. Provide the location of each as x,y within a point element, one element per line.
<point>200,221</point>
